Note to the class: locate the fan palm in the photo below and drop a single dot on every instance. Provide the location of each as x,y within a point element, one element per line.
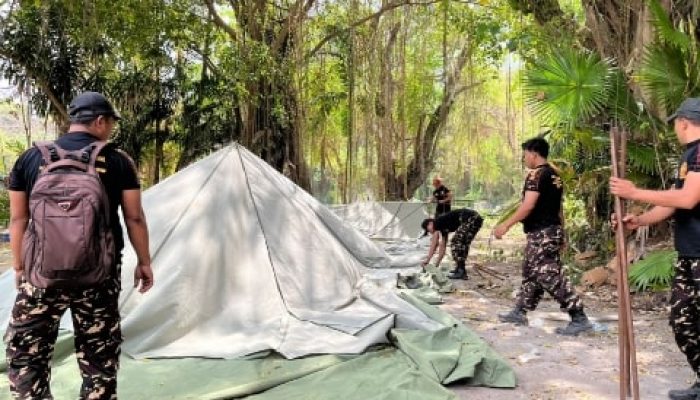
<point>568,87</point>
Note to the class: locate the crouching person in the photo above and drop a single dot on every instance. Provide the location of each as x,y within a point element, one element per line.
<point>465,224</point>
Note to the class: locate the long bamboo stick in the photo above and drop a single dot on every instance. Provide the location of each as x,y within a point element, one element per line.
<point>621,324</point>
<point>627,348</point>
<point>619,160</point>
<point>632,348</point>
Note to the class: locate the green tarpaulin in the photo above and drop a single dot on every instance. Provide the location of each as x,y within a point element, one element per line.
<point>416,367</point>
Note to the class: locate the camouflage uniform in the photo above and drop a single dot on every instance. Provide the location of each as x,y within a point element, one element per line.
<point>463,237</point>
<point>36,315</point>
<point>33,330</point>
<point>542,271</point>
<point>685,303</point>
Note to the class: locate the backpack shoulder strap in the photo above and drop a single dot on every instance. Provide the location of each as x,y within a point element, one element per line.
<point>49,151</point>
<point>90,153</point>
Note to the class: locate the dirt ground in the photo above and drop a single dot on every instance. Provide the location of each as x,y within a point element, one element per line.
<point>549,366</point>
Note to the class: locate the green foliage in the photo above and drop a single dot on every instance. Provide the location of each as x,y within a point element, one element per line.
<point>568,86</point>
<point>641,158</point>
<point>4,207</point>
<point>654,272</point>
<point>670,68</point>
<point>665,30</point>
<point>664,74</point>
<point>577,223</point>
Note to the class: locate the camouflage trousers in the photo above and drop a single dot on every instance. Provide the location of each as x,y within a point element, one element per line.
<point>463,237</point>
<point>542,272</point>
<point>33,330</point>
<point>685,309</point>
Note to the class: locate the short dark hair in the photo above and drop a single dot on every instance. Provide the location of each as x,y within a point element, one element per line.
<point>83,120</point>
<point>424,225</point>
<point>537,145</point>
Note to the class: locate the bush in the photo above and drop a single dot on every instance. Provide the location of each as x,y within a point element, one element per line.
<point>654,272</point>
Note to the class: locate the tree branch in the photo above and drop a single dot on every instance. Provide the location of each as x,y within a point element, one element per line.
<point>464,88</point>
<point>384,9</point>
<point>218,21</point>
<point>44,85</point>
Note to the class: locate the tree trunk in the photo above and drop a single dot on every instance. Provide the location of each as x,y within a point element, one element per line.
<point>271,134</point>
<point>426,141</point>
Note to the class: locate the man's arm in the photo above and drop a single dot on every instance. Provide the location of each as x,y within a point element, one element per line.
<point>441,252</point>
<point>685,198</point>
<point>137,228</point>
<point>525,208</point>
<point>656,214</point>
<point>447,199</point>
<point>434,240</point>
<point>19,219</point>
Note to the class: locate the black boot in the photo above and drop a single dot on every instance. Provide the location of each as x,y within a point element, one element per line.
<point>579,323</point>
<point>460,272</point>
<point>691,393</point>
<point>515,316</point>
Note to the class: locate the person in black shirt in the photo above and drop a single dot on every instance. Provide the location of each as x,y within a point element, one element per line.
<point>541,214</point>
<point>682,202</point>
<point>465,223</point>
<point>37,312</point>
<point>442,197</point>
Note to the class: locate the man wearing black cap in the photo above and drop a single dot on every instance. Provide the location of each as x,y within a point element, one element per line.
<point>465,223</point>
<point>37,312</point>
<point>682,202</point>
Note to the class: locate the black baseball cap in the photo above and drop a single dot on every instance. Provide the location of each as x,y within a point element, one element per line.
<point>689,109</point>
<point>89,105</point>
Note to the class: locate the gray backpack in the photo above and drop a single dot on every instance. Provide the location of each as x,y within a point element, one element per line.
<point>69,242</point>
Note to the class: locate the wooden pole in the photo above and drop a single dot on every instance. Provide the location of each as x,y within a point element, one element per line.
<point>627,348</point>
<point>632,350</point>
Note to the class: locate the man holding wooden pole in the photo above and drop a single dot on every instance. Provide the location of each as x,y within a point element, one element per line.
<point>682,202</point>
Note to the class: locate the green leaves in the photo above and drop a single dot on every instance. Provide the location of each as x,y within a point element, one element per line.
<point>663,75</point>
<point>669,71</point>
<point>654,272</point>
<point>568,87</point>
<point>642,158</point>
<point>665,30</point>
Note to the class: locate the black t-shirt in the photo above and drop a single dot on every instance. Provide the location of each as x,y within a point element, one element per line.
<point>545,180</point>
<point>687,226</point>
<point>441,194</point>
<point>119,175</point>
<point>450,221</point>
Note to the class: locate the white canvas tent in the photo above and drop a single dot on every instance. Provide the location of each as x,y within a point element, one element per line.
<point>245,261</point>
<point>384,220</point>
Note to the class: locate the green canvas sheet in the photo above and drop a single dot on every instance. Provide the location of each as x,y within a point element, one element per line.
<point>416,368</point>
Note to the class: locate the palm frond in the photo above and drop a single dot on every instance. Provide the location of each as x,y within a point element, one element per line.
<point>663,75</point>
<point>508,211</point>
<point>665,30</point>
<point>641,158</point>
<point>568,86</point>
<point>654,272</point>
<point>622,104</point>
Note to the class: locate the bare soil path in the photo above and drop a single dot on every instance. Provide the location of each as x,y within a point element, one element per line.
<point>549,366</point>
